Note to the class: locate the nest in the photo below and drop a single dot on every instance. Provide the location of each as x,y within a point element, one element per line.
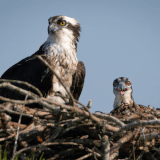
<point>71,132</point>
<point>128,132</point>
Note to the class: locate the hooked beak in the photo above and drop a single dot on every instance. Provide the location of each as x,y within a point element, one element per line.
<point>121,88</point>
<point>53,28</point>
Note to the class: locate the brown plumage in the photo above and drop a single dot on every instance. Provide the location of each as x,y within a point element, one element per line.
<point>78,80</point>
<point>60,52</point>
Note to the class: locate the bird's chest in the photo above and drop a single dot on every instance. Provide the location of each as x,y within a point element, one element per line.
<point>65,65</point>
<point>65,73</point>
<point>126,98</point>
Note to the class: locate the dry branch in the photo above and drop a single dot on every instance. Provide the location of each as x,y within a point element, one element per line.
<point>17,89</point>
<point>69,132</point>
<point>105,148</point>
<point>19,121</point>
<point>25,83</point>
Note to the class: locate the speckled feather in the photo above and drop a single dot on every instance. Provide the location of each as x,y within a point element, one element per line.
<point>60,52</point>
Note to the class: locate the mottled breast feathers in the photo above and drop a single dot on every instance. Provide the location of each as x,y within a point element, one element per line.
<point>59,50</point>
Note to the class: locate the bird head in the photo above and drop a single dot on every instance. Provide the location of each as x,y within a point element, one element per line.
<point>122,86</point>
<point>64,29</point>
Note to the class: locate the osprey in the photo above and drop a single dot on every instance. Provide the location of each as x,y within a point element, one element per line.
<point>122,89</point>
<point>59,50</point>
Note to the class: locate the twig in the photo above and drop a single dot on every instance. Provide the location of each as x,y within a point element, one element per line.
<point>84,157</point>
<point>127,137</point>
<point>149,136</point>
<point>140,155</point>
<point>81,141</point>
<point>63,106</point>
<point>86,108</point>
<point>66,152</point>
<point>17,89</point>
<point>89,150</point>
<point>105,148</point>
<point>62,128</point>
<point>16,113</point>
<point>89,104</point>
<point>156,149</point>
<point>138,113</point>
<point>141,122</point>
<point>133,150</point>
<point>45,144</point>
<point>114,155</point>
<point>25,83</point>
<point>36,100</point>
<point>109,117</point>
<point>83,113</point>
<point>19,121</point>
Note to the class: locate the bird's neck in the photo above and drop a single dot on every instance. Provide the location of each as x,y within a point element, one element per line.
<point>61,50</point>
<point>57,45</point>
<point>127,99</point>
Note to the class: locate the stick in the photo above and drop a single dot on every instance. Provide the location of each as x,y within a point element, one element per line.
<point>135,124</point>
<point>45,144</point>
<point>85,156</point>
<point>19,121</point>
<point>93,152</point>
<point>105,148</point>
<point>114,155</point>
<point>70,108</point>
<point>25,83</point>
<point>65,152</point>
<point>17,89</point>
<point>109,117</point>
<point>121,141</point>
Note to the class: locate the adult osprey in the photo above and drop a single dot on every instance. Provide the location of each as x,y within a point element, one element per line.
<point>59,51</point>
<point>122,89</point>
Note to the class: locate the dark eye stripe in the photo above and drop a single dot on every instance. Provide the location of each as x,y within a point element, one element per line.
<point>60,20</point>
<point>122,79</point>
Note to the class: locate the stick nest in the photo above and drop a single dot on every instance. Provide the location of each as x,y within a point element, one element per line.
<point>128,132</point>
<point>71,132</point>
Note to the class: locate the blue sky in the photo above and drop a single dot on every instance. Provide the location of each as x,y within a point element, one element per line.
<point>118,38</point>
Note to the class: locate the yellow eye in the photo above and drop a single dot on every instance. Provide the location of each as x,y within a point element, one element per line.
<point>128,83</point>
<point>62,23</point>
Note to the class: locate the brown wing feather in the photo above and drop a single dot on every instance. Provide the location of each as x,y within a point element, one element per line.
<point>78,80</point>
<point>30,70</point>
<point>46,86</point>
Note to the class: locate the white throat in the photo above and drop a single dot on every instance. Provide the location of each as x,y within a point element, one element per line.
<point>61,44</point>
<point>126,98</point>
<point>61,52</point>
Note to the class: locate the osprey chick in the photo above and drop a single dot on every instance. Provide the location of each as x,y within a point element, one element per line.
<point>122,89</point>
<point>59,51</point>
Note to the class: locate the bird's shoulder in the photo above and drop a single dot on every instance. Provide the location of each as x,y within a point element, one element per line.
<point>23,66</point>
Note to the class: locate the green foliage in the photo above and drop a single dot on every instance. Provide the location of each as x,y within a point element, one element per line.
<point>16,157</point>
<point>42,156</point>
<point>31,156</point>
<point>4,154</point>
